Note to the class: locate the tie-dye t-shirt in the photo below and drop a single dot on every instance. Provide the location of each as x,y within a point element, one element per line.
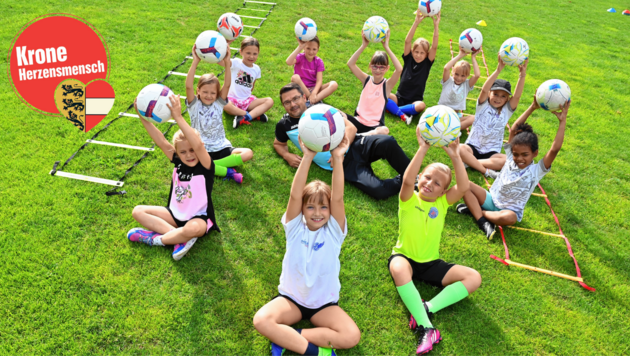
<point>191,192</point>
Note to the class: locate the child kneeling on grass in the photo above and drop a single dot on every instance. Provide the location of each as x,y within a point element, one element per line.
<point>189,213</point>
<point>416,254</point>
<point>315,227</point>
<point>505,202</point>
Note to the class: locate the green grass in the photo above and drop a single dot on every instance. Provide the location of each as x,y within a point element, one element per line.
<point>71,283</point>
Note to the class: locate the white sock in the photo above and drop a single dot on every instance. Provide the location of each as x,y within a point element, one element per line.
<point>157,240</point>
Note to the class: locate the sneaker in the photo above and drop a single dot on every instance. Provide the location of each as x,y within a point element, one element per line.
<point>308,104</point>
<point>491,173</point>
<point>139,234</point>
<point>181,249</point>
<point>240,120</point>
<point>234,175</point>
<point>489,229</point>
<point>427,338</point>
<point>406,118</point>
<point>412,321</point>
<point>462,209</point>
<point>276,350</point>
<point>262,118</point>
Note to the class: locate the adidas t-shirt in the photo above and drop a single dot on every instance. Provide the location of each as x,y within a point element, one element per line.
<point>243,78</point>
<point>420,227</point>
<point>310,268</point>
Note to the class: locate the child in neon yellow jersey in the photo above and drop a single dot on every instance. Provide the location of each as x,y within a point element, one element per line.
<point>416,255</point>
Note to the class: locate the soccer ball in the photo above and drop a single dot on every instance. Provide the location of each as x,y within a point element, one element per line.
<point>470,40</point>
<point>514,51</point>
<point>151,102</point>
<point>553,94</point>
<point>305,29</point>
<point>429,7</point>
<point>211,46</point>
<point>321,128</point>
<point>439,125</point>
<point>375,29</point>
<point>230,26</point>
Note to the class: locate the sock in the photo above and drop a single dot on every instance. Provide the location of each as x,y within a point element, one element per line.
<point>157,240</point>
<point>299,331</point>
<point>410,296</point>
<point>219,171</point>
<point>229,161</point>
<point>393,108</point>
<point>248,117</point>
<point>311,350</point>
<point>451,294</point>
<point>409,109</point>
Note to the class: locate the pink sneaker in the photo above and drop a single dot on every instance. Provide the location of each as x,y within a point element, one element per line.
<point>427,338</point>
<point>234,175</point>
<point>139,234</point>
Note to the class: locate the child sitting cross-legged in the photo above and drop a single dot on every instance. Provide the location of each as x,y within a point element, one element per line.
<point>308,72</point>
<point>456,85</point>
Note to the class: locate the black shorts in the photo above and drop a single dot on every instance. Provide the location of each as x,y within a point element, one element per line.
<point>360,127</point>
<point>481,155</point>
<point>402,102</point>
<point>180,223</point>
<point>307,313</point>
<point>431,272</point>
<point>221,154</point>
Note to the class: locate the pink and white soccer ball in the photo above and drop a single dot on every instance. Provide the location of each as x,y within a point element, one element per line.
<point>321,128</point>
<point>211,46</point>
<point>470,40</point>
<point>429,7</point>
<point>230,25</point>
<point>151,103</point>
<point>305,29</point>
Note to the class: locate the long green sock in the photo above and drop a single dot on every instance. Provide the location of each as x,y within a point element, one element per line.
<point>219,171</point>
<point>230,161</point>
<point>451,294</point>
<point>410,296</point>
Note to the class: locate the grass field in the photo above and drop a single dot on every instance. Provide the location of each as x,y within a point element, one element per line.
<point>71,283</point>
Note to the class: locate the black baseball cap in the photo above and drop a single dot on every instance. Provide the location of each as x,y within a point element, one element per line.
<point>502,84</point>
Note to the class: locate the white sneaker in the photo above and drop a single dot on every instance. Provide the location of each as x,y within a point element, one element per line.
<point>408,119</point>
<point>180,250</point>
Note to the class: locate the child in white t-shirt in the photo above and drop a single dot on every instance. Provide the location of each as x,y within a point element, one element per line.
<point>495,106</point>
<point>245,72</point>
<point>206,116</point>
<point>456,86</point>
<point>315,227</point>
<point>505,202</point>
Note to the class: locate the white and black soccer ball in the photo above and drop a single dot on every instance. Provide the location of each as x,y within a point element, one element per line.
<point>211,46</point>
<point>439,125</point>
<point>321,128</point>
<point>305,29</point>
<point>514,51</point>
<point>230,26</point>
<point>151,103</point>
<point>553,94</point>
<point>470,40</point>
<point>429,7</point>
<point>375,29</point>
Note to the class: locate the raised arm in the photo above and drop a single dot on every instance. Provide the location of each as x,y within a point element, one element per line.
<point>521,120</point>
<point>294,208</point>
<point>436,35</point>
<point>409,178</point>
<point>485,90</point>
<point>291,58</point>
<point>227,75</point>
<point>190,78</point>
<point>352,62</point>
<point>193,139</point>
<point>448,66</point>
<point>519,85</point>
<point>476,72</point>
<point>337,208</point>
<point>412,32</point>
<point>462,184</point>
<point>391,82</point>
<point>557,142</point>
<point>157,136</point>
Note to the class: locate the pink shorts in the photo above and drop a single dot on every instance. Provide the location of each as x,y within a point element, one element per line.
<point>242,104</point>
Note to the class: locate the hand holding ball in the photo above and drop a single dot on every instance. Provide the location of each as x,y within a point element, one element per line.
<point>514,51</point>
<point>470,40</point>
<point>553,94</point>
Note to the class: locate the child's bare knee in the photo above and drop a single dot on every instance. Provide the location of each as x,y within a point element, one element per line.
<point>261,320</point>
<point>353,336</point>
<point>138,211</point>
<point>420,106</point>
<point>195,228</point>
<point>295,78</point>
<point>334,85</point>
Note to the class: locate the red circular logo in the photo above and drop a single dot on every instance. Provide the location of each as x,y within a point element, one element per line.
<point>51,49</point>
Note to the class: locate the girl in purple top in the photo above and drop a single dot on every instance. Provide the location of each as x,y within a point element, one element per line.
<point>189,213</point>
<point>308,72</point>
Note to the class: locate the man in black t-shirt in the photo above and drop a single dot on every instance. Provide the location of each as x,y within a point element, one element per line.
<point>364,149</point>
